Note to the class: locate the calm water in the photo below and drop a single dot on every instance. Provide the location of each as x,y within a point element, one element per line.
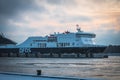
<point>106,68</point>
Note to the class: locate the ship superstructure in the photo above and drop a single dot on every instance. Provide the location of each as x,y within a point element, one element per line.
<point>59,40</point>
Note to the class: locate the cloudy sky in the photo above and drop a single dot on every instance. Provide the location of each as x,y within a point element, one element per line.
<point>20,19</point>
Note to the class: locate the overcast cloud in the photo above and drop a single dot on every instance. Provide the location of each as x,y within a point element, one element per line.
<point>24,18</point>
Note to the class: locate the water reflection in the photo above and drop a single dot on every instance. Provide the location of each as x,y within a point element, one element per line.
<point>108,68</point>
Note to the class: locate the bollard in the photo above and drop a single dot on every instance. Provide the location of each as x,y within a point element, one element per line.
<point>38,72</point>
<point>105,56</point>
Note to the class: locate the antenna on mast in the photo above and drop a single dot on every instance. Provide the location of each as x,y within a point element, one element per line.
<point>78,28</point>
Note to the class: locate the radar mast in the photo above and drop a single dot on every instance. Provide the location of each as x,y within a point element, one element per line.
<point>78,28</point>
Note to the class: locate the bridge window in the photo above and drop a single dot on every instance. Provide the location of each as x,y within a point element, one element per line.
<point>42,45</point>
<point>52,39</point>
<point>63,44</point>
<point>39,40</point>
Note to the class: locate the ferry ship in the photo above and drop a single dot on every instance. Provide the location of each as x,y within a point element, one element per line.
<point>67,44</point>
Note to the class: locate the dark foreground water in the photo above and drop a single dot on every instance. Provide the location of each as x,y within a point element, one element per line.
<point>105,68</point>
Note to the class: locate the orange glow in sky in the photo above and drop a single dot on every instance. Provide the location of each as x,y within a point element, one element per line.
<point>42,17</point>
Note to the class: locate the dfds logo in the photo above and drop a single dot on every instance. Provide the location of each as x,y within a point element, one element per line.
<point>24,50</point>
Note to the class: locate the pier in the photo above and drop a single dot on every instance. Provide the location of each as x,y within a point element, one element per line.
<point>18,76</point>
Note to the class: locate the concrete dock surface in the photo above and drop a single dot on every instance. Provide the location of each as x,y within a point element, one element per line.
<point>17,76</point>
